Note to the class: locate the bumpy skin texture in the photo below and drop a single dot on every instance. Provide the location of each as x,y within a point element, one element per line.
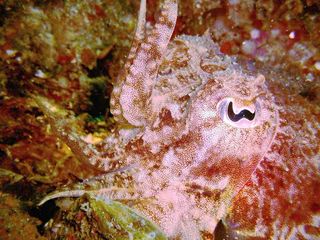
<point>187,150</point>
<point>281,199</point>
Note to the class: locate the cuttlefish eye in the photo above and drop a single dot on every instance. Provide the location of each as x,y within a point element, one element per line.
<point>242,114</point>
<point>238,115</point>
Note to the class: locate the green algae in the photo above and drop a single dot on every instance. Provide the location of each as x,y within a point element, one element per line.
<point>117,221</point>
<point>88,217</point>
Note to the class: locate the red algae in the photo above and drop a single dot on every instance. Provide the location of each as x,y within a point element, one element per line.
<point>16,224</point>
<point>29,148</point>
<point>45,44</point>
<point>290,25</point>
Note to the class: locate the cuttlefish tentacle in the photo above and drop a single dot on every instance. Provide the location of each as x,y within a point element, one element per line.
<point>110,190</point>
<point>132,98</point>
<point>111,193</point>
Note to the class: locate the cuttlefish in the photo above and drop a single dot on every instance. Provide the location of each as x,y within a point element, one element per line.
<point>192,126</point>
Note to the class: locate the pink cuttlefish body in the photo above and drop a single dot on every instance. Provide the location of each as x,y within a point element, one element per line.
<point>192,128</point>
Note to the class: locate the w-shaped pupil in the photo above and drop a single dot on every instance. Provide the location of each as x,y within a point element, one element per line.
<point>243,114</point>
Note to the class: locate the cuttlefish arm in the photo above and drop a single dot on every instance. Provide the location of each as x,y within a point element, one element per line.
<point>60,123</point>
<point>109,186</point>
<point>130,99</point>
<point>111,193</point>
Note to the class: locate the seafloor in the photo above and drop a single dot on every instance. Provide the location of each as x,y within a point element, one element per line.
<point>70,51</point>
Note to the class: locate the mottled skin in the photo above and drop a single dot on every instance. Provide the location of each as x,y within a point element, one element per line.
<point>282,198</point>
<point>178,156</point>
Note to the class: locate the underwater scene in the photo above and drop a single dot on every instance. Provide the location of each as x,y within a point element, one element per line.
<point>160,119</point>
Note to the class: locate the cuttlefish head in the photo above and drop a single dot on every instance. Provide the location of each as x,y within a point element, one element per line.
<point>235,118</point>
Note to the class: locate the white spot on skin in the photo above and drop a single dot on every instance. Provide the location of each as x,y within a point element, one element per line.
<point>116,112</point>
<point>177,205</point>
<point>175,111</point>
<point>127,134</point>
<point>212,136</point>
<point>134,71</point>
<point>155,148</point>
<point>208,114</point>
<point>167,130</point>
<point>220,185</point>
<point>169,196</point>
<point>170,158</point>
<point>126,93</point>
